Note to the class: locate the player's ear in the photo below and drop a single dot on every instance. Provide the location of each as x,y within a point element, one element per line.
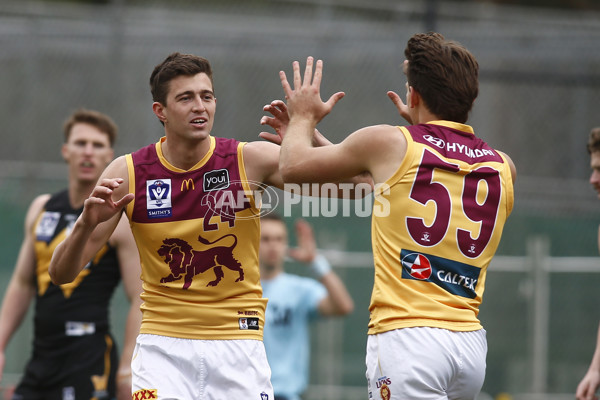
<point>64,152</point>
<point>159,111</point>
<point>414,98</point>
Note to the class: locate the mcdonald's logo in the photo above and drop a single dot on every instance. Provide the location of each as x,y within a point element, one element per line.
<point>188,183</point>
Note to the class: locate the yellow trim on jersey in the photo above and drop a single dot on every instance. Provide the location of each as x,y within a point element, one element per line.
<point>131,188</point>
<point>454,125</point>
<point>244,177</point>
<point>509,188</point>
<point>198,165</point>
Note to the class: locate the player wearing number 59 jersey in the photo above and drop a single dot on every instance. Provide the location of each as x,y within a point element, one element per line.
<point>447,203</point>
<point>442,196</point>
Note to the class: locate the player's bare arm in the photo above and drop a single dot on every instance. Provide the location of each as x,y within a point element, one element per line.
<point>586,389</point>
<point>100,216</point>
<point>21,288</point>
<point>279,122</point>
<point>511,164</point>
<point>261,161</point>
<point>378,150</point>
<point>338,301</point>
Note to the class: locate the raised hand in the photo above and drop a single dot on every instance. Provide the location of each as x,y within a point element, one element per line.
<point>279,121</point>
<point>304,100</point>
<point>307,246</point>
<point>402,108</point>
<point>100,206</point>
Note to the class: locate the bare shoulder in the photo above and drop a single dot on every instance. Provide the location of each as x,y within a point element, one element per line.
<point>261,161</point>
<point>257,150</point>
<point>35,208</point>
<point>117,169</point>
<point>383,146</point>
<point>378,137</point>
<point>511,164</point>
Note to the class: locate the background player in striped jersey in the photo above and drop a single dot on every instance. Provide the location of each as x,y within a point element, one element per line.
<point>294,302</point>
<point>447,195</point>
<point>587,388</point>
<point>74,353</point>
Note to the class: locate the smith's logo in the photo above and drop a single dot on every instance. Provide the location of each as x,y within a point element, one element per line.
<point>187,183</point>
<point>215,180</point>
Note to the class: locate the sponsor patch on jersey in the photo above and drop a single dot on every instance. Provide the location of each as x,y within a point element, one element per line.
<point>68,393</point>
<point>215,180</point>
<point>74,328</point>
<point>264,396</point>
<point>144,394</point>
<point>48,223</point>
<point>457,278</point>
<point>248,324</point>
<point>158,198</point>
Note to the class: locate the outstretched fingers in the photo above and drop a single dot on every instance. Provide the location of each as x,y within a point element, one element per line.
<point>318,72</point>
<point>287,90</point>
<point>400,106</point>
<point>124,200</point>
<point>297,79</point>
<point>308,71</point>
<point>334,99</point>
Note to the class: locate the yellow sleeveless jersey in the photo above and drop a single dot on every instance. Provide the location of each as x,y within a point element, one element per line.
<point>436,225</point>
<point>198,234</point>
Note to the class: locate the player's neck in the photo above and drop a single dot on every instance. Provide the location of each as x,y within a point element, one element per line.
<point>184,154</point>
<point>423,115</point>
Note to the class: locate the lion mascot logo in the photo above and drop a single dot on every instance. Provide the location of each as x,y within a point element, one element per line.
<point>186,262</point>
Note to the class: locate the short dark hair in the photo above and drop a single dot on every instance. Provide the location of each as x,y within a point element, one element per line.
<point>97,119</point>
<point>444,73</point>
<point>593,144</point>
<point>176,64</point>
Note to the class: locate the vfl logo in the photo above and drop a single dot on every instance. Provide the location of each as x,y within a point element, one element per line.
<point>185,262</point>
<point>158,198</point>
<point>45,229</point>
<point>417,265</point>
<point>215,180</point>
<point>145,394</point>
